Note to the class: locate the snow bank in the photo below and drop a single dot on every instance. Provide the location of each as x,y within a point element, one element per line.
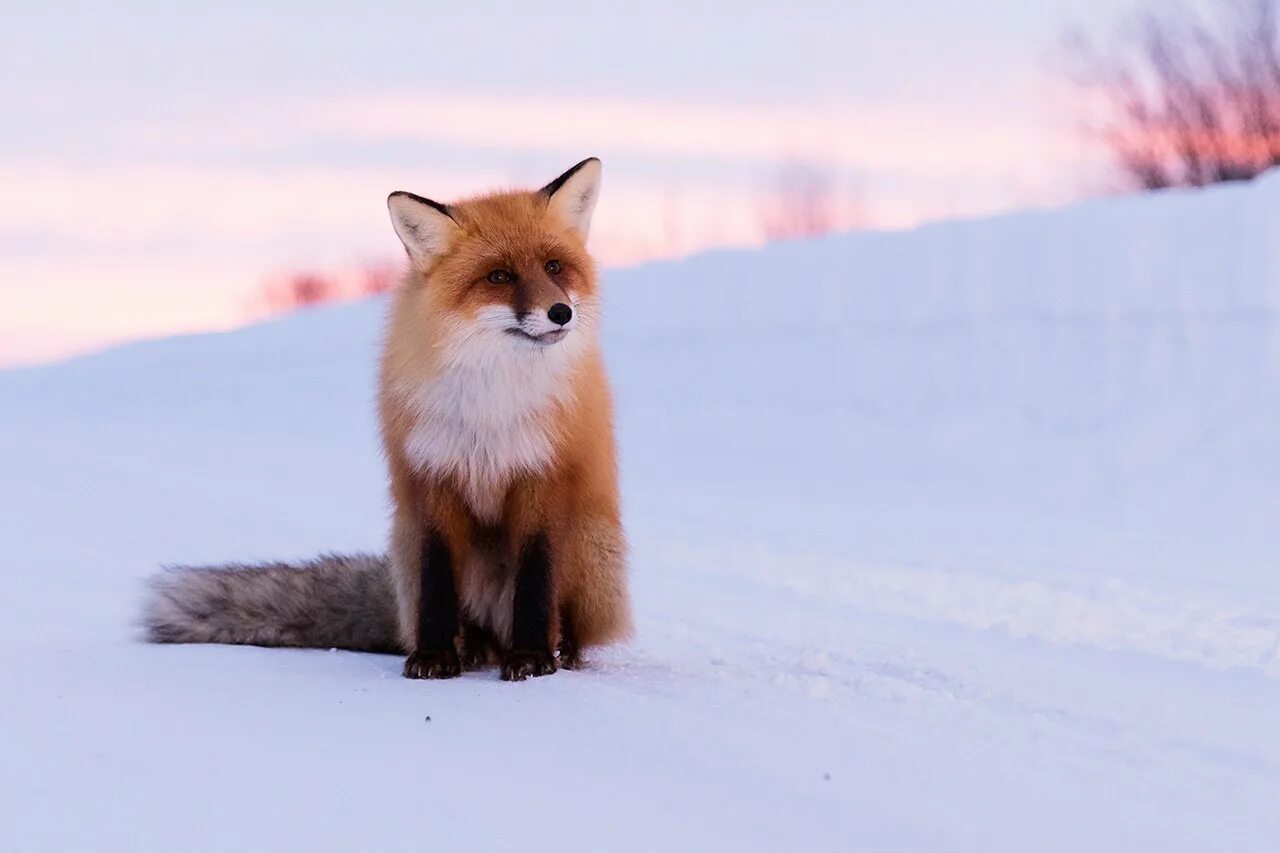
<point>958,538</point>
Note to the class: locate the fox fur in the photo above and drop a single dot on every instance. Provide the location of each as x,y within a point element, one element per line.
<point>496,419</point>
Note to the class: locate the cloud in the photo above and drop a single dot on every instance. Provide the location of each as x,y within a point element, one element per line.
<point>54,305</point>
<point>911,141</point>
<point>325,214</point>
<point>898,140</point>
<point>176,223</point>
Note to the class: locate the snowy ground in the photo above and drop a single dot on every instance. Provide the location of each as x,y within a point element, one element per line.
<point>957,539</point>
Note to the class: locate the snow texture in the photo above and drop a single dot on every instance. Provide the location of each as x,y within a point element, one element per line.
<point>957,539</point>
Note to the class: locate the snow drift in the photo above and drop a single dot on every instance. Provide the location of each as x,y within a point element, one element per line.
<point>958,538</point>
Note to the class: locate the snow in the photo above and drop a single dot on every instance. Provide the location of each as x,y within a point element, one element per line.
<point>961,538</point>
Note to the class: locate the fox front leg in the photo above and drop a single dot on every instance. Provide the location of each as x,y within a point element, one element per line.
<point>476,644</point>
<point>435,655</point>
<point>570,648</point>
<point>534,608</point>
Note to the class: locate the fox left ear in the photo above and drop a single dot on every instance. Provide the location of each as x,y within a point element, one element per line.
<point>572,196</point>
<point>424,226</point>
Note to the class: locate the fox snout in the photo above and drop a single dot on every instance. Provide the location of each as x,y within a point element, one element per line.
<point>544,326</point>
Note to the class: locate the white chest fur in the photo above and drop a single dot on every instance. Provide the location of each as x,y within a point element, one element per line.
<point>489,414</point>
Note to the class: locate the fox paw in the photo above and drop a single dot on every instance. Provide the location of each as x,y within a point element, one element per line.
<point>434,664</point>
<point>570,657</point>
<point>475,648</point>
<point>517,666</point>
<point>474,658</point>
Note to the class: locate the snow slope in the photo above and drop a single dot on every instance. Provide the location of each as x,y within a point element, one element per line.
<point>962,538</point>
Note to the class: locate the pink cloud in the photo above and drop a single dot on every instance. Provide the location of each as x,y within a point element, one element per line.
<point>175,240</point>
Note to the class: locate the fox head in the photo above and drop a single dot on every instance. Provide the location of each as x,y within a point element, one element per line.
<point>510,265</point>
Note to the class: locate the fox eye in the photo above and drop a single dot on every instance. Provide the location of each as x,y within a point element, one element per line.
<point>501,277</point>
<point>553,267</point>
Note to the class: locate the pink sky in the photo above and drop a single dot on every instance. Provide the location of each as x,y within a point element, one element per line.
<point>144,195</point>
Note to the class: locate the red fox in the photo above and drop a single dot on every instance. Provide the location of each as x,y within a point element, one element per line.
<point>497,426</point>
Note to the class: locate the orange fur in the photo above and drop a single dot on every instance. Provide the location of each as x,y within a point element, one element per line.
<point>553,470</point>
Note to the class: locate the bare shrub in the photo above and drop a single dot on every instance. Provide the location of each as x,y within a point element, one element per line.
<point>805,201</point>
<point>1189,99</point>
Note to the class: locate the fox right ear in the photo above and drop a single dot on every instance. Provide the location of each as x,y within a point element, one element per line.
<point>424,226</point>
<point>573,195</point>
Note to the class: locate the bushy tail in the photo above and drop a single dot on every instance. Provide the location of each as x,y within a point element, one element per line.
<point>334,601</point>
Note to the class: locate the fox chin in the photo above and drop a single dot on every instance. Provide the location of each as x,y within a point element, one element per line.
<point>506,543</point>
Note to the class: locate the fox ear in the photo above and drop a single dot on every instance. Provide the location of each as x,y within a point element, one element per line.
<point>572,196</point>
<point>424,226</point>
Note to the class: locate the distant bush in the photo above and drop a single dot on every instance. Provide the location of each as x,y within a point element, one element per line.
<point>307,288</point>
<point>1189,99</point>
<point>805,201</point>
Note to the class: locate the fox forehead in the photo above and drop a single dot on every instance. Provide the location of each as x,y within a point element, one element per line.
<point>515,226</point>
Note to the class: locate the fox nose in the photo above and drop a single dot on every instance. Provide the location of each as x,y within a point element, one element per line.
<point>559,313</point>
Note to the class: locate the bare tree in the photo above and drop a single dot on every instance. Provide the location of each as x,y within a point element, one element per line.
<point>300,290</point>
<point>307,288</point>
<point>805,202</point>
<point>1190,99</point>
<point>377,278</point>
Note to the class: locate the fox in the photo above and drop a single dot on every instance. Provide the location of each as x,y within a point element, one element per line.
<point>506,544</point>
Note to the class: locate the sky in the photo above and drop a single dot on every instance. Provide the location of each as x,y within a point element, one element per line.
<point>160,165</point>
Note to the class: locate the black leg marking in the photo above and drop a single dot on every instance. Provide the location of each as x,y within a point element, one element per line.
<point>530,652</point>
<point>476,643</point>
<point>570,651</point>
<point>435,656</point>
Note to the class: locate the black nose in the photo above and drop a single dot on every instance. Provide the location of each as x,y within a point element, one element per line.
<point>559,313</point>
